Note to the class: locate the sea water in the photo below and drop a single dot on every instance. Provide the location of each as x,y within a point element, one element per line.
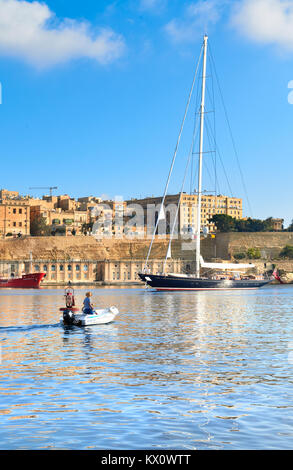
<point>175,370</point>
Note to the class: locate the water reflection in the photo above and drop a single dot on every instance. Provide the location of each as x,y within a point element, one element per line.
<point>209,370</point>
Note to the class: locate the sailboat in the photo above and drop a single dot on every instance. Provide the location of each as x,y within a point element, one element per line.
<point>178,282</point>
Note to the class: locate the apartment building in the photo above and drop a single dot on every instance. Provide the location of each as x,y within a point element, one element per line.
<point>14,214</point>
<point>14,218</point>
<point>187,213</point>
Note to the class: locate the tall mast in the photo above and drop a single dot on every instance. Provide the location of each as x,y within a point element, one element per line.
<point>173,161</point>
<point>202,111</point>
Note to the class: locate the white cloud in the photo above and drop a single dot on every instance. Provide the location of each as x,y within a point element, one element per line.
<point>31,31</point>
<point>197,19</point>
<point>266,21</point>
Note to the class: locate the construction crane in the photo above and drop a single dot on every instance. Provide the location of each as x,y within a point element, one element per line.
<point>46,187</point>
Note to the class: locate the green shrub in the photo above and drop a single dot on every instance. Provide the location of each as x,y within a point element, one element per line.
<point>287,252</point>
<point>240,255</point>
<point>253,253</point>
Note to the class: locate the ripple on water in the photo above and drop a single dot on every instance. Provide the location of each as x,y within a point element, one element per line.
<point>175,370</point>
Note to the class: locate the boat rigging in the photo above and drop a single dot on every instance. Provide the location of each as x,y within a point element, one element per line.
<point>163,281</point>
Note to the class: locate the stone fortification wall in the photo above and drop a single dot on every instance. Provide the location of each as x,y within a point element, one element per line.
<point>269,243</point>
<point>223,246</point>
<point>81,247</point>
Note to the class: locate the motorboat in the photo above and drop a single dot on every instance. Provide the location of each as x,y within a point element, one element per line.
<point>99,317</point>
<point>74,316</point>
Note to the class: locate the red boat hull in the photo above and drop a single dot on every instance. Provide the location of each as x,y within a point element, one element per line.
<point>26,281</point>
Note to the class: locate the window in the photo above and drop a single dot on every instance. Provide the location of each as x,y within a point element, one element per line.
<point>69,267</point>
<point>45,268</point>
<point>61,267</point>
<point>85,267</point>
<point>77,267</point>
<point>53,268</point>
<point>20,211</point>
<point>14,211</point>
<point>37,267</point>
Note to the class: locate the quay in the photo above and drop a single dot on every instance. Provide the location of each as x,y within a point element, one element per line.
<point>87,261</point>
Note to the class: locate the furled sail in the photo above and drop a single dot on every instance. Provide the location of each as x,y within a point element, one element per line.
<point>225,266</point>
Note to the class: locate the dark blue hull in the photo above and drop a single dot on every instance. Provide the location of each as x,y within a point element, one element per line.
<point>169,282</point>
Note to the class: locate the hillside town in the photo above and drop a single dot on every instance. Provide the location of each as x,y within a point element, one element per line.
<point>90,240</point>
<point>63,215</point>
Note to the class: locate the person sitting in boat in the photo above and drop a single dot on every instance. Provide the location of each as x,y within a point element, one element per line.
<point>87,306</point>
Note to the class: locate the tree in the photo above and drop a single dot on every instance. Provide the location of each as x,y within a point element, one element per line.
<point>287,252</point>
<point>290,228</point>
<point>226,223</point>
<point>268,224</point>
<point>223,222</point>
<point>250,225</point>
<point>39,227</point>
<point>241,225</point>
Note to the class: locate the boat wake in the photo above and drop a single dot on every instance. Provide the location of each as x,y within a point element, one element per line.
<point>27,327</point>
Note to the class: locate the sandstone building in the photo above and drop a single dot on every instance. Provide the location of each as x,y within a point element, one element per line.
<point>187,220</point>
<point>14,214</point>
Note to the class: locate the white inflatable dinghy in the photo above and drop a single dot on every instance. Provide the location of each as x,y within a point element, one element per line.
<point>99,317</point>
<point>73,316</point>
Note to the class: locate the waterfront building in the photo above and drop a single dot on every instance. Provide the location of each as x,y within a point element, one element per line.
<point>5,194</point>
<point>278,224</point>
<point>67,215</point>
<point>61,213</point>
<point>109,217</point>
<point>14,214</point>
<point>88,203</point>
<point>187,215</point>
<point>61,221</point>
<point>66,203</point>
<point>89,271</point>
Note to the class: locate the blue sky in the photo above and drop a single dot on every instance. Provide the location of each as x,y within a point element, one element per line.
<point>93,95</point>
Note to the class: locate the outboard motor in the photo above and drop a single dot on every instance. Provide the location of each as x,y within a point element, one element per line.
<point>68,317</point>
